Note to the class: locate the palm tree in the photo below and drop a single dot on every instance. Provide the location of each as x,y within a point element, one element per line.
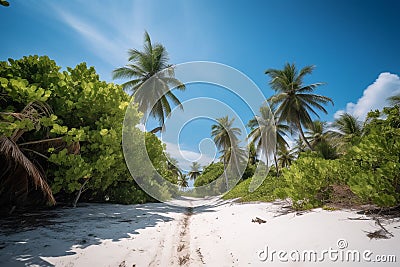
<point>299,146</point>
<point>172,166</point>
<point>317,132</point>
<point>225,136</point>
<point>347,130</point>
<point>347,126</point>
<point>321,139</point>
<point>265,127</point>
<point>226,139</point>
<point>194,170</point>
<point>294,99</point>
<point>150,71</point>
<point>285,156</point>
<point>183,182</point>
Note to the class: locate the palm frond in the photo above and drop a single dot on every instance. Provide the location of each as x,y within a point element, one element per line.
<point>10,150</point>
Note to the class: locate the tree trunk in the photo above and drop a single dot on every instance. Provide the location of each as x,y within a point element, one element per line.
<point>226,175</point>
<point>81,190</point>
<point>276,165</point>
<point>298,124</point>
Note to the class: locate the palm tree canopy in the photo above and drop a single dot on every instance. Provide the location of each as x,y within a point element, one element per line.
<point>317,132</point>
<point>347,130</point>
<point>194,170</point>
<point>295,100</point>
<point>225,136</point>
<point>267,121</point>
<point>150,71</point>
<point>183,182</point>
<point>236,153</point>
<point>347,125</point>
<point>286,156</point>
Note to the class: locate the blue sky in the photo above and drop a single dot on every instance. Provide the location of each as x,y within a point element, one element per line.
<point>354,44</point>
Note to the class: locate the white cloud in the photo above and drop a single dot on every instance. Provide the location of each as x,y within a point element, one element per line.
<point>186,157</point>
<point>374,96</point>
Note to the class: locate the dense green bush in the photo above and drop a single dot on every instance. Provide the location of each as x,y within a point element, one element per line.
<point>85,111</point>
<point>209,174</point>
<point>307,182</point>
<point>265,192</point>
<point>371,169</point>
<point>127,193</point>
<point>375,170</point>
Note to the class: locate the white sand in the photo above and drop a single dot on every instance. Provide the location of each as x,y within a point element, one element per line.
<point>219,234</point>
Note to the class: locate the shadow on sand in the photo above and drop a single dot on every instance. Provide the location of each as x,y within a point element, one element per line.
<point>58,231</point>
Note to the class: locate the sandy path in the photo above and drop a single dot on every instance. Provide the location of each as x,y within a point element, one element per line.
<point>218,234</point>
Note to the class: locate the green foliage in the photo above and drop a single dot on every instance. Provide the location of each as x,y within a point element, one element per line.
<point>155,149</point>
<point>85,110</point>
<point>371,169</point>
<point>91,112</point>
<point>210,173</point>
<point>308,181</point>
<point>326,150</point>
<point>249,171</point>
<point>265,192</point>
<point>375,174</point>
<point>127,193</point>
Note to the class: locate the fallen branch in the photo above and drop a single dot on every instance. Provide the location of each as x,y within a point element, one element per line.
<point>383,228</point>
<point>358,219</point>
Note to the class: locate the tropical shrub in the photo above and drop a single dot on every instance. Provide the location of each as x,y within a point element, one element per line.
<point>210,173</point>
<point>85,113</point>
<point>265,192</point>
<point>375,175</point>
<point>307,182</point>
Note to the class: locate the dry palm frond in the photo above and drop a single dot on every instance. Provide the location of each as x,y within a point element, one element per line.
<point>33,111</point>
<point>11,151</point>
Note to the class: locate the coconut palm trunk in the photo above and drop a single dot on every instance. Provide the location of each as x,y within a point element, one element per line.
<point>303,137</point>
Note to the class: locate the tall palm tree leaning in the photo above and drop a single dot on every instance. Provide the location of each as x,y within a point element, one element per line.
<point>194,170</point>
<point>295,100</point>
<point>226,139</point>
<point>151,63</point>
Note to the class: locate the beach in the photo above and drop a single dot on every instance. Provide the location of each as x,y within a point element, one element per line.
<point>223,233</point>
